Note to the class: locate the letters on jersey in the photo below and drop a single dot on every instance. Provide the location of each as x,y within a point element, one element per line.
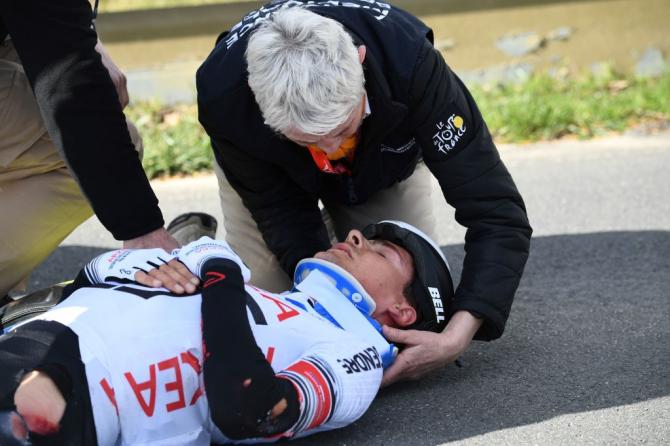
<point>144,366</point>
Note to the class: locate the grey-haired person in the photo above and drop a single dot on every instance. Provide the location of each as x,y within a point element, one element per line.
<point>348,104</point>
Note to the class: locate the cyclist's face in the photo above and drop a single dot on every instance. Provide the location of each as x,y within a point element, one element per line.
<point>383,268</point>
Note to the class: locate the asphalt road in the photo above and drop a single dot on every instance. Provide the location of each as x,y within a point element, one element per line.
<point>585,358</point>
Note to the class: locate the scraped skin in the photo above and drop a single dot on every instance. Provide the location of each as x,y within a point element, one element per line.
<point>40,403</point>
<point>277,409</point>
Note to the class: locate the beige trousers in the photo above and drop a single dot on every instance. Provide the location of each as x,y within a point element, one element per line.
<point>409,201</point>
<point>40,202</point>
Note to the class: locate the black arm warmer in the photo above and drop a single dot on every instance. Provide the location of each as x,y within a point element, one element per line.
<point>232,357</point>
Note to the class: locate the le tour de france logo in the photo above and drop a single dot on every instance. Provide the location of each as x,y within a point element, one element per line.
<point>449,133</point>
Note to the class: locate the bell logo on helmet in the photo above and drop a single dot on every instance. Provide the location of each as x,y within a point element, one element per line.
<point>437,303</point>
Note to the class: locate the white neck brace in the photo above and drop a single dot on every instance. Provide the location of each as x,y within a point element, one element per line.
<point>341,299</point>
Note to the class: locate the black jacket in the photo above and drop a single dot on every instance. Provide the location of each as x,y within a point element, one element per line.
<point>420,109</point>
<point>81,110</point>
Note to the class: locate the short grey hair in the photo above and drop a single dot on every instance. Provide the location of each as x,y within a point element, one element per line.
<point>304,71</point>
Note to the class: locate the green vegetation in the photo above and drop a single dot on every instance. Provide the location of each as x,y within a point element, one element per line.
<point>541,108</point>
<point>174,141</point>
<point>548,108</point>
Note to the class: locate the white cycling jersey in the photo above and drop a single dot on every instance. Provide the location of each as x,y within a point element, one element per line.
<point>142,350</point>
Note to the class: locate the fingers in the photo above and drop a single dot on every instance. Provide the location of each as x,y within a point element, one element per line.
<point>179,275</point>
<point>173,275</point>
<point>161,274</point>
<point>397,336</point>
<point>172,279</point>
<point>392,374</point>
<point>144,279</point>
<point>403,368</point>
<point>183,271</point>
<point>419,356</point>
<point>116,75</point>
<point>399,367</point>
<point>122,91</point>
<point>121,84</point>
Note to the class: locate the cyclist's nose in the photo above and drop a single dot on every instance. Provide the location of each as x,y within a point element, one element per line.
<point>355,238</point>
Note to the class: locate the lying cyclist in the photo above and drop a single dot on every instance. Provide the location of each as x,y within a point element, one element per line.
<point>120,363</point>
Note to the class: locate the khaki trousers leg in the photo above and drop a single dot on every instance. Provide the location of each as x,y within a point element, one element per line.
<point>409,201</point>
<point>40,202</point>
<point>243,236</point>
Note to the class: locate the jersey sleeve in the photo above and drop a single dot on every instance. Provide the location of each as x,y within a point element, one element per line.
<point>336,383</point>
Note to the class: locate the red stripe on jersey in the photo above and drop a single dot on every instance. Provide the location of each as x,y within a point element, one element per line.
<point>321,389</point>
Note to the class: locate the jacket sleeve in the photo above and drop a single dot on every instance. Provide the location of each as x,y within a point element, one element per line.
<point>287,216</point>
<point>81,110</point>
<point>458,149</point>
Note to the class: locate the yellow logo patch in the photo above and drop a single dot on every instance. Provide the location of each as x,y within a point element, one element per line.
<point>449,133</point>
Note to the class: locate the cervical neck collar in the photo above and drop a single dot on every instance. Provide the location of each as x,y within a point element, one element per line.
<point>349,308</point>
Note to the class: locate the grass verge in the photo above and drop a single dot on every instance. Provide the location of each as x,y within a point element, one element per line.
<point>546,108</point>
<point>541,108</point>
<point>174,141</point>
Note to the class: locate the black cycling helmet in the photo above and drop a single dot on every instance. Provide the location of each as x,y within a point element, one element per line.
<point>431,287</point>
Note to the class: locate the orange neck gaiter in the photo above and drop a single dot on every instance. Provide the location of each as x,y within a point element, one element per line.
<point>323,159</point>
<point>346,150</point>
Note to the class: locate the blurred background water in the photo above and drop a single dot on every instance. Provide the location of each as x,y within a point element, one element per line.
<point>484,41</point>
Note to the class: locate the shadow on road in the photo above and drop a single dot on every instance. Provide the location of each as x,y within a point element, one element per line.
<point>590,329</point>
<point>63,264</point>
